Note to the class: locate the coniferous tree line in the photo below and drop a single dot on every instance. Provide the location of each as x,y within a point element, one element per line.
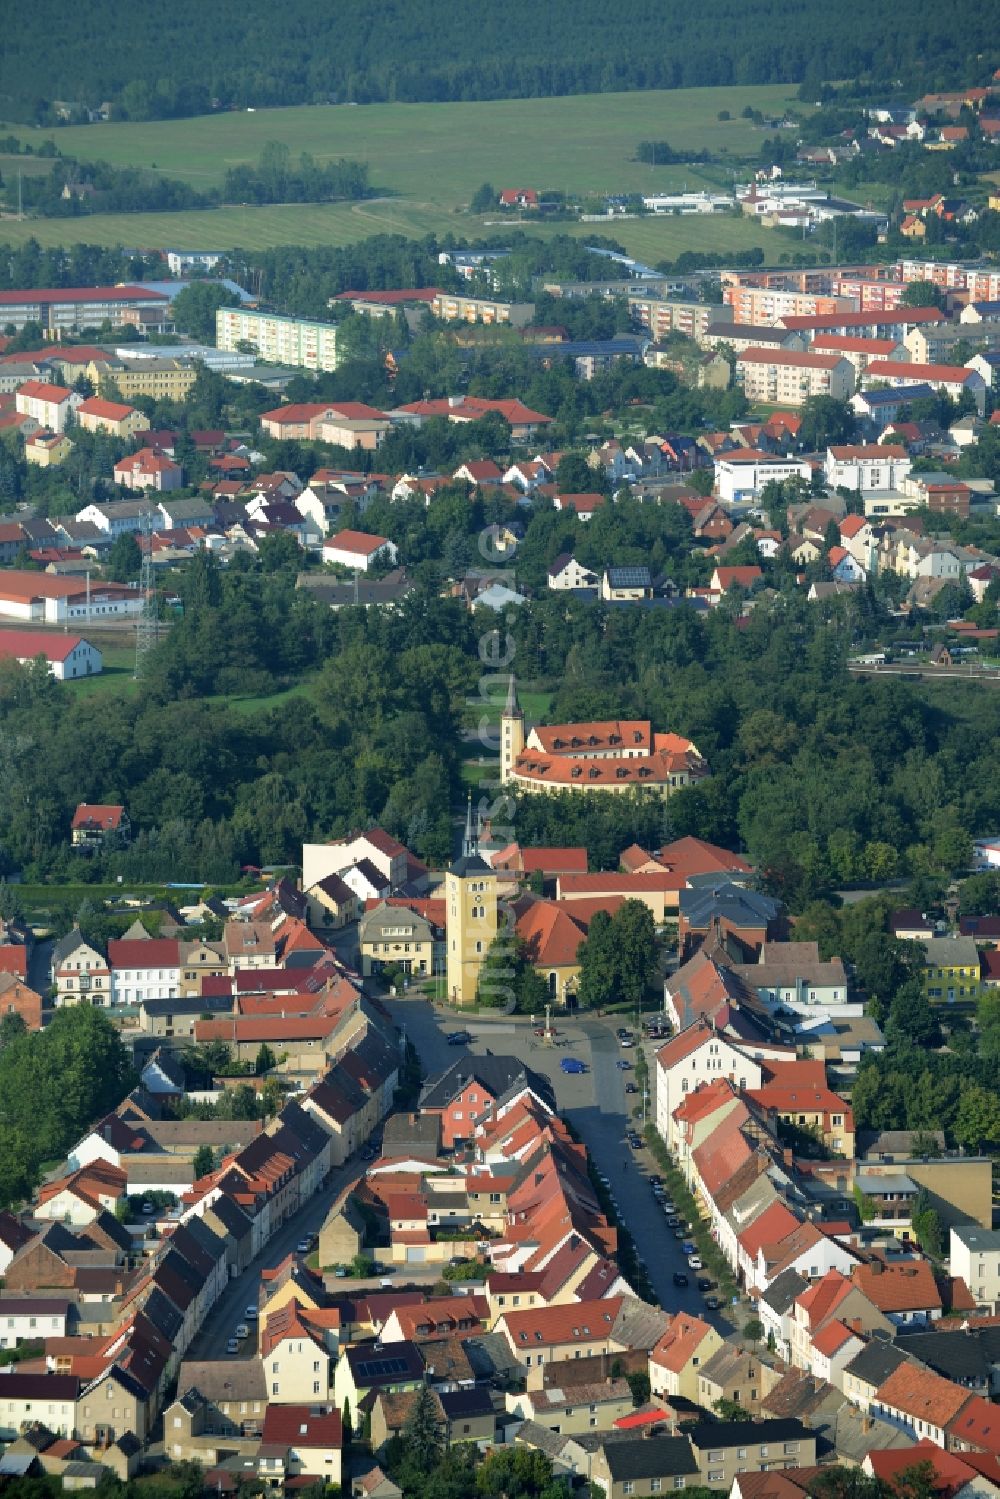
<point>259,55</point>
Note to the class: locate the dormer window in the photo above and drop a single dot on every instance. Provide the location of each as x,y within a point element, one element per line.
<point>594,773</point>
<point>576,771</point>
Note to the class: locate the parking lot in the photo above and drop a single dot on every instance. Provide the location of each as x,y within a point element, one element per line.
<point>595,1103</point>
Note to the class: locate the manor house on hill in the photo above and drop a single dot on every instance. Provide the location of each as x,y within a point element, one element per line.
<point>614,755</point>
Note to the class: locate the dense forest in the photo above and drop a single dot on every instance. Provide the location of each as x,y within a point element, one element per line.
<point>259,55</point>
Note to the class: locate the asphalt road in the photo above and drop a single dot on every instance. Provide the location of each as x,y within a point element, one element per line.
<point>239,1294</point>
<point>599,1109</point>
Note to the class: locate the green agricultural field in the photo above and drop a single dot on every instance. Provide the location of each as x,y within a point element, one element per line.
<point>442,152</point>
<point>344,223</point>
<point>429,159</point>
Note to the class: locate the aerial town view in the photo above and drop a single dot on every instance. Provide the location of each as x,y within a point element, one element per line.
<point>500,750</point>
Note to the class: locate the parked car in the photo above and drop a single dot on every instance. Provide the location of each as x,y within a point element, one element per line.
<point>623,1065</point>
<point>251,1314</point>
<point>704,1284</point>
<point>690,1247</point>
<point>680,1279</point>
<point>458,1038</point>
<point>341,1272</point>
<point>232,1346</point>
<point>571,1064</point>
<point>713,1303</point>
<point>242,1330</point>
<point>678,1233</point>
<point>695,1262</point>
<point>304,1246</point>
<point>631,1088</point>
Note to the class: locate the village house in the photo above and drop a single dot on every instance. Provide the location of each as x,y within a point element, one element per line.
<point>49,405</point>
<point>355,549</point>
<point>116,418</point>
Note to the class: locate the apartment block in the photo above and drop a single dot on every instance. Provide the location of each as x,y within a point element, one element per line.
<point>662,316</point>
<point>452,307</point>
<point>764,304</point>
<point>278,340</point>
<point>784,377</point>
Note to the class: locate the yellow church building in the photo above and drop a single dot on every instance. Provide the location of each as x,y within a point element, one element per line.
<point>470,888</point>
<point>613,755</point>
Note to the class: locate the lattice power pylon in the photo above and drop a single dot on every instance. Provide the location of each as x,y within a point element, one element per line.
<point>147,625</point>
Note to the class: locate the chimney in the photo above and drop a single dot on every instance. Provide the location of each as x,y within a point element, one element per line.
<point>877,1267</point>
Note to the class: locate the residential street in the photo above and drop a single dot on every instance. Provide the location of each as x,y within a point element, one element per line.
<point>594,1102</point>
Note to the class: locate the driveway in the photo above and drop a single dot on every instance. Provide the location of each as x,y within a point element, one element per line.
<point>596,1105</point>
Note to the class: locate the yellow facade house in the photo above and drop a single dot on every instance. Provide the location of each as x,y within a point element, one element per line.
<point>116,418</point>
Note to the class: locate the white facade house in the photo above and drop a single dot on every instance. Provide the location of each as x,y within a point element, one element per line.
<point>565,572</point>
<point>867,467</point>
<point>144,970</point>
<point>975,1256</point>
<point>67,656</point>
<point>79,972</point>
<point>49,405</point>
<point>357,550</point>
<point>27,1319</point>
<point>700,1054</point>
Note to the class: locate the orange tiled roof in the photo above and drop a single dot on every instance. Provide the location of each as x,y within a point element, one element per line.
<point>908,1287</point>
<point>922,1395</point>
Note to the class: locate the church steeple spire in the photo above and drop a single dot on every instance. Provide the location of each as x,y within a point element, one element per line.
<point>470,840</point>
<point>513,707</point>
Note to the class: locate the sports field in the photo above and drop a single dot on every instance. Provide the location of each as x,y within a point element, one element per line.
<point>429,159</point>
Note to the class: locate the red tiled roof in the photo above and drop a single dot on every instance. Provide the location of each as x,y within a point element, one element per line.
<point>579,1322</point>
<point>898,1288</point>
<point>82,294</point>
<point>114,411</point>
<point>356,541</point>
<point>302,1426</point>
<point>885,369</point>
<point>978,1423</point>
<point>98,814</point>
<point>22,645</point>
<point>153,952</point>
<point>41,390</point>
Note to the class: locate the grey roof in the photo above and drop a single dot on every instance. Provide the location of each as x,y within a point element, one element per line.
<point>17,1464</point>
<point>985,1240</point>
<point>874,1185</point>
<point>72,940</point>
<point>875,1362</point>
<point>490,1355</point>
<point>193,1004</point>
<point>223,1380</point>
<point>650,1457</point>
<point>639,1325</point>
<point>783,1290</point>
<point>942,952</point>
<point>458,1404</point>
<point>759,333</point>
<point>470,864</point>
<point>734,1433</point>
<point>855,1435</point>
<point>739,905</point>
<point>533,1434</point>
<point>965,1358</point>
<point>499,1075</point>
<point>872,1143</point>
